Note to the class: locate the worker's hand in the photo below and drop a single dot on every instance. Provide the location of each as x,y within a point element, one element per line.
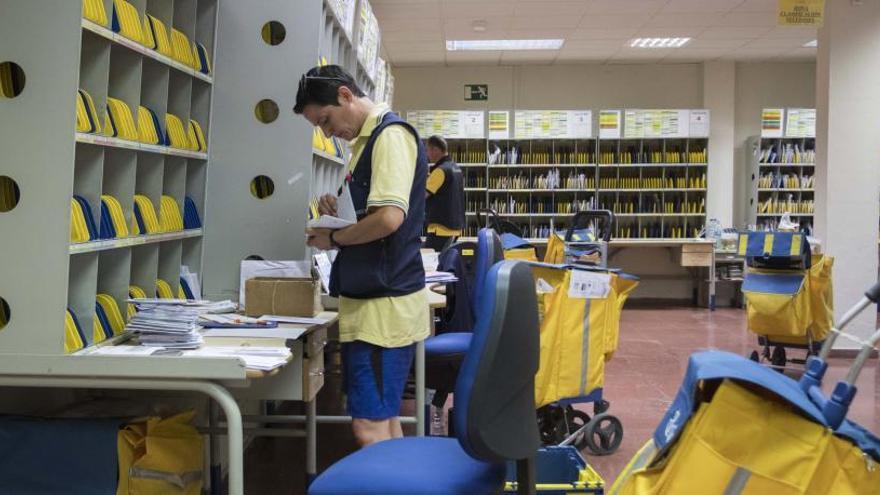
<point>327,205</point>
<point>319,238</point>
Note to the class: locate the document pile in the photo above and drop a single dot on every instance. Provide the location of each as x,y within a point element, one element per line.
<point>439,277</point>
<point>172,323</point>
<point>254,357</point>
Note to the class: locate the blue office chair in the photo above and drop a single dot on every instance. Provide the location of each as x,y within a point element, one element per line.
<point>445,351</point>
<point>494,414</point>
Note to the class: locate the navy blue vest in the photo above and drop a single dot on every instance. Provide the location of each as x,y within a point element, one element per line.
<point>391,266</point>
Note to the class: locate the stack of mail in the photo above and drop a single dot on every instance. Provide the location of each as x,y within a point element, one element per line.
<point>254,357</point>
<point>439,277</point>
<point>166,325</point>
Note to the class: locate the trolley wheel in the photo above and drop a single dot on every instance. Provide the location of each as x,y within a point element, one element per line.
<point>576,421</point>
<point>604,434</point>
<point>600,406</point>
<point>754,356</point>
<point>550,418</point>
<point>778,357</point>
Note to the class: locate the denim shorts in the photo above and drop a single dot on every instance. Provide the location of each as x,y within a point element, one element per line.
<point>374,378</point>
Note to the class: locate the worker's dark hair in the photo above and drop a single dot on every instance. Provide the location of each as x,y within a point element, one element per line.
<point>438,142</point>
<point>320,86</point>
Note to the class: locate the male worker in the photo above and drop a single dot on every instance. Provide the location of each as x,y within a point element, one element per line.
<point>378,272</point>
<point>445,190</point>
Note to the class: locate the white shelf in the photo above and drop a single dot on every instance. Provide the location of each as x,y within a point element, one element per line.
<point>762,164</point>
<point>587,190</point>
<point>328,157</point>
<point>780,214</point>
<point>137,47</point>
<point>783,189</point>
<point>648,165</point>
<point>659,214</point>
<point>549,165</point>
<point>112,142</point>
<point>671,189</point>
<point>475,189</point>
<point>468,165</point>
<point>108,244</point>
<point>339,24</point>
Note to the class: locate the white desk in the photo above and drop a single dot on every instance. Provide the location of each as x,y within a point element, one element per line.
<point>221,379</point>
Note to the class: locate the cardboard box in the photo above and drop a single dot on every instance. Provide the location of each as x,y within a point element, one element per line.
<point>283,296</point>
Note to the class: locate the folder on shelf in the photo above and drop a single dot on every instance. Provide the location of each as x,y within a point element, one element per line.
<point>91,227</point>
<point>86,114</point>
<point>176,135</point>
<point>202,61</point>
<point>79,231</point>
<point>74,338</point>
<point>149,129</point>
<point>134,292</point>
<point>126,21</point>
<point>145,220</point>
<point>180,47</point>
<point>116,324</point>
<point>156,36</point>
<point>196,137</point>
<point>163,289</point>
<point>94,11</point>
<point>101,330</point>
<point>191,218</point>
<point>118,121</point>
<point>115,218</point>
<point>184,291</point>
<point>169,215</point>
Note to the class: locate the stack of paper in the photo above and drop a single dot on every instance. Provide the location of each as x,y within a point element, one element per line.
<point>439,277</point>
<point>170,326</point>
<point>201,306</point>
<point>254,357</point>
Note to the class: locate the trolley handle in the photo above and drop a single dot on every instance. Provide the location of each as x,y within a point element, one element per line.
<point>873,293</point>
<point>604,221</point>
<point>491,215</point>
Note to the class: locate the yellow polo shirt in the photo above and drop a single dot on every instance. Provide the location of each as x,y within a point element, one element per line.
<point>386,321</point>
<point>435,182</point>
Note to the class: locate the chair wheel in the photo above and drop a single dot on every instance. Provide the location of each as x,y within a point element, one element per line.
<point>754,356</point>
<point>778,357</point>
<point>601,406</point>
<point>604,434</point>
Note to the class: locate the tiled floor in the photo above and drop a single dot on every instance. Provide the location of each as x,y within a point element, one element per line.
<point>641,381</point>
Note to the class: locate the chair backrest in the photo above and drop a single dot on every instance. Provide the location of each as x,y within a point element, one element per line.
<point>489,252</point>
<point>495,392</point>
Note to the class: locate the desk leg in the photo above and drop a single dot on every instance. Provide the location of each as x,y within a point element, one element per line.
<point>216,392</point>
<point>214,470</point>
<point>712,284</point>
<point>420,387</point>
<point>311,441</point>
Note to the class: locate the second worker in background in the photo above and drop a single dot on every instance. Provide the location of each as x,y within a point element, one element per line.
<point>445,192</point>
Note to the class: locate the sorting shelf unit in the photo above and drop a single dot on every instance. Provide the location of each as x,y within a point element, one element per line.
<point>780,166</point>
<point>64,156</point>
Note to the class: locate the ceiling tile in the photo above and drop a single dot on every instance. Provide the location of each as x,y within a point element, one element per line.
<point>747,19</point>
<point>688,6</point>
<point>703,43</point>
<point>396,24</point>
<point>496,28</point>
<point>758,6</point>
<point>602,34</point>
<point>614,21</point>
<point>533,34</point>
<point>529,57</point>
<point>555,8</point>
<point>475,10</point>
<point>592,55</point>
<point>792,32</point>
<point>430,9</point>
<point>414,46</point>
<point>790,43</point>
<point>642,53</point>
<point>589,45</point>
<point>413,34</point>
<point>487,57</point>
<point>417,58</point>
<point>669,32</point>
<point>696,53</point>
<point>683,20</point>
<point>631,61</point>
<point>603,7</point>
<point>545,22</point>
<point>722,32</point>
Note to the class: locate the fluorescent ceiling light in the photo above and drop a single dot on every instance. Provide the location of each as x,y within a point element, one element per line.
<point>811,44</point>
<point>548,44</point>
<point>658,42</point>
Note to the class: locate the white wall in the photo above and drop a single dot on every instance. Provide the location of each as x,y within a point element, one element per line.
<point>596,87</point>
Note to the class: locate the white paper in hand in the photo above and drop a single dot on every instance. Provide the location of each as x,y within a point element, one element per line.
<point>345,214</point>
<point>589,285</point>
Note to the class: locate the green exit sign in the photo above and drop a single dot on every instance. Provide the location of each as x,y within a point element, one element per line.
<point>476,92</point>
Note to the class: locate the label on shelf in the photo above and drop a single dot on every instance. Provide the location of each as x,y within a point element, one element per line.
<point>553,124</point>
<point>640,124</point>
<point>499,124</point>
<point>609,124</point>
<point>451,124</point>
<point>800,123</point>
<point>771,122</point>
<point>699,123</point>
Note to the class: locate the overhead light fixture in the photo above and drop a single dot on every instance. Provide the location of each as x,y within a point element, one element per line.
<point>658,42</point>
<point>811,44</point>
<point>547,44</point>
